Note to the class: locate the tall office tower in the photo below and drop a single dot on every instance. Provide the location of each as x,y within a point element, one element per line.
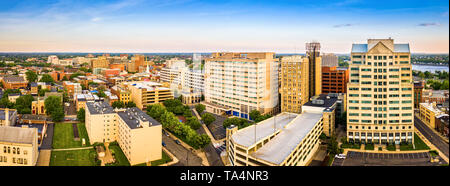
<point>329,60</point>
<point>315,68</point>
<point>294,83</point>
<point>237,83</point>
<point>380,93</point>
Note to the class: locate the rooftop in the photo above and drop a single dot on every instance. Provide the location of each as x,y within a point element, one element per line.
<point>431,107</point>
<point>279,148</point>
<point>11,113</point>
<point>134,116</point>
<point>17,134</point>
<point>14,79</point>
<point>99,108</point>
<point>323,100</point>
<point>363,48</point>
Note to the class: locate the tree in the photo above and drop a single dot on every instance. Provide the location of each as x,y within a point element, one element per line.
<point>42,92</point>
<point>193,123</point>
<point>333,147</point>
<point>262,117</point>
<point>81,115</point>
<point>31,76</point>
<point>200,108</point>
<point>47,78</point>
<point>172,103</point>
<point>254,114</point>
<point>240,122</point>
<point>65,78</point>
<point>156,111</point>
<point>208,118</point>
<point>178,110</point>
<point>117,104</point>
<point>54,108</point>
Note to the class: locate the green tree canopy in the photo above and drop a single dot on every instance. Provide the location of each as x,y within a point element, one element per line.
<point>208,118</point>
<point>47,78</point>
<point>31,76</point>
<point>200,108</point>
<point>54,108</point>
<point>81,114</point>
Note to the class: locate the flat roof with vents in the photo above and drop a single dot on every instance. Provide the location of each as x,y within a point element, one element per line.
<point>134,116</point>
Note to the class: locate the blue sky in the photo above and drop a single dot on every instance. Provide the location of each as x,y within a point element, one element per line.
<point>206,26</point>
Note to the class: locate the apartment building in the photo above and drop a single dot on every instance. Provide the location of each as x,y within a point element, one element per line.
<point>286,139</point>
<point>334,79</point>
<point>123,94</point>
<point>82,99</point>
<point>100,62</point>
<point>72,88</point>
<point>18,146</point>
<point>237,83</point>
<point>294,83</point>
<point>145,93</point>
<point>14,82</point>
<point>138,135</point>
<point>380,93</point>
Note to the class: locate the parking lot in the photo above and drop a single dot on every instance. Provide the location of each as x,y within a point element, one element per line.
<point>384,159</point>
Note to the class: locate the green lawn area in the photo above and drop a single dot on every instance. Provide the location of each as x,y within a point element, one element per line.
<point>121,159</point>
<point>63,136</point>
<point>85,157</point>
<point>391,147</point>
<point>165,159</point>
<point>369,146</point>
<point>418,143</point>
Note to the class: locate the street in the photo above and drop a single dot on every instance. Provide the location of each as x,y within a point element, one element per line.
<point>185,156</point>
<point>431,136</point>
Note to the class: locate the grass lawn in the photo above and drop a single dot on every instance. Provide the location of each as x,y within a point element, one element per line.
<point>369,146</point>
<point>63,136</point>
<point>121,159</point>
<point>418,143</point>
<point>165,158</point>
<point>330,159</point>
<point>391,147</point>
<point>85,157</point>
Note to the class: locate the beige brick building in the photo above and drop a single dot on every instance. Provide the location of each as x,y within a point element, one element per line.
<point>294,83</point>
<point>145,93</point>
<point>138,135</point>
<point>18,146</point>
<point>380,93</point>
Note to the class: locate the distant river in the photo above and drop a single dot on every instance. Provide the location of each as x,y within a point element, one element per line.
<point>430,68</point>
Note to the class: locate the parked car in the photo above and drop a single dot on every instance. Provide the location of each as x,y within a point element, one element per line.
<point>163,144</point>
<point>340,156</point>
<point>178,142</point>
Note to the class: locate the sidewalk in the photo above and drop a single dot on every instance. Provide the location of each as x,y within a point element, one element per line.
<point>44,158</point>
<point>214,141</point>
<point>77,148</point>
<point>174,159</point>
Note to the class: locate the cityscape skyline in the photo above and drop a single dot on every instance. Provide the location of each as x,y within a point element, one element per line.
<point>185,26</point>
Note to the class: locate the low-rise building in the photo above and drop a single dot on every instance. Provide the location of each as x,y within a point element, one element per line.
<point>38,106</point>
<point>72,88</point>
<point>428,114</point>
<point>18,146</point>
<point>145,93</point>
<point>138,135</point>
<point>14,82</point>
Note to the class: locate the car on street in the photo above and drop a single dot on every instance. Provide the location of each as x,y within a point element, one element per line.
<point>177,142</point>
<point>163,144</point>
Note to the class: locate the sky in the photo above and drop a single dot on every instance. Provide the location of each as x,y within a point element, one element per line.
<point>282,26</point>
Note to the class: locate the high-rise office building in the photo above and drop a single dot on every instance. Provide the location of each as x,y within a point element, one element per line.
<point>334,79</point>
<point>237,83</point>
<point>380,93</point>
<point>329,60</point>
<point>315,68</point>
<point>294,88</point>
